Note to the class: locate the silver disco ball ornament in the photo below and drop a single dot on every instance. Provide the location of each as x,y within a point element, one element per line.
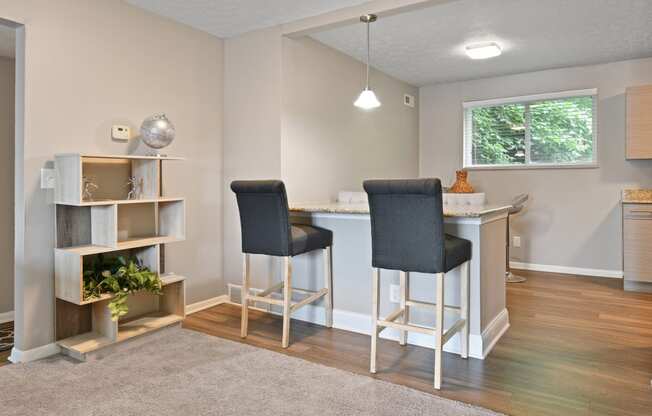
<point>157,131</point>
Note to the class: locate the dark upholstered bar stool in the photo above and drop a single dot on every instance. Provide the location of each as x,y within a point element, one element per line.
<point>266,229</point>
<point>407,234</point>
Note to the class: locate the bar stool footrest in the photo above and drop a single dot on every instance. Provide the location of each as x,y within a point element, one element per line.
<point>428,305</point>
<point>310,299</point>
<point>272,289</point>
<point>405,327</point>
<point>454,329</point>
<point>264,299</point>
<point>448,334</point>
<point>313,296</point>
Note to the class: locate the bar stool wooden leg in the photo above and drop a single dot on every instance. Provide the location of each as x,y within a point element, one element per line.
<point>245,295</point>
<point>328,277</point>
<point>374,317</point>
<point>405,290</point>
<point>287,300</point>
<point>464,309</point>
<point>439,329</point>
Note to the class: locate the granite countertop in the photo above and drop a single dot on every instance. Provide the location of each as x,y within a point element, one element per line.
<point>363,208</point>
<point>637,196</point>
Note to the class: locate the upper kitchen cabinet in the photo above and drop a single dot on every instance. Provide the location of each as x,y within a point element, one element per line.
<point>639,122</point>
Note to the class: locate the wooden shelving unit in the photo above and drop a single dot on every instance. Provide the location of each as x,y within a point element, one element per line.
<point>112,225</point>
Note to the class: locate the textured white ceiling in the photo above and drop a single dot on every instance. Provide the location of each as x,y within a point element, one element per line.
<point>227,18</point>
<point>427,46</point>
<point>7,42</point>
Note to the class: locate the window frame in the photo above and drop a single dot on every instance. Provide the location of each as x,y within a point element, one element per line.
<point>467,134</point>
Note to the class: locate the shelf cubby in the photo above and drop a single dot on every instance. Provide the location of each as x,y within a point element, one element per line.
<point>172,219</point>
<point>91,327</point>
<point>136,221</point>
<point>110,174</point>
<point>70,264</point>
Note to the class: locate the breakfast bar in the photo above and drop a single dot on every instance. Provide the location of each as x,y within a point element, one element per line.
<point>484,225</point>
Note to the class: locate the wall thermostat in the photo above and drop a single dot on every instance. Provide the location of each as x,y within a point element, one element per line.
<point>122,133</point>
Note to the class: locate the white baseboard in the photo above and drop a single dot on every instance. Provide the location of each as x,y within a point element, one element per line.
<point>205,304</point>
<point>494,331</point>
<point>18,356</point>
<point>6,317</point>
<point>479,345</point>
<point>614,274</point>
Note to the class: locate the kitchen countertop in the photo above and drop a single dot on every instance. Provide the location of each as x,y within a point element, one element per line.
<point>637,196</point>
<point>363,208</point>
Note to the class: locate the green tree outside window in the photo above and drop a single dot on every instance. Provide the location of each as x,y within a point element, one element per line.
<point>557,131</point>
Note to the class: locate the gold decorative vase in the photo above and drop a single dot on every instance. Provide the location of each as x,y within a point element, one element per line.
<point>461,186</point>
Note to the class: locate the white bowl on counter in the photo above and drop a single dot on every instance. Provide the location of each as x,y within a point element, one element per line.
<point>475,199</point>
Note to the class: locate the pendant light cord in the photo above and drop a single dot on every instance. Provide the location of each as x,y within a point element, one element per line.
<point>368,55</point>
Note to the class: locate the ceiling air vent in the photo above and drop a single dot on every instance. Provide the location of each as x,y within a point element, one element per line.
<point>408,100</point>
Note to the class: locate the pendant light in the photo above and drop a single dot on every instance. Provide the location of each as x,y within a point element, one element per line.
<point>367,99</point>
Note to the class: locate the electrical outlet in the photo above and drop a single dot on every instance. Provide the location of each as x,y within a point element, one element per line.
<point>47,178</point>
<point>395,293</point>
<point>122,133</point>
<point>516,241</point>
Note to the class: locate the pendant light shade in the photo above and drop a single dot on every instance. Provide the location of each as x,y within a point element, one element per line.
<point>367,99</point>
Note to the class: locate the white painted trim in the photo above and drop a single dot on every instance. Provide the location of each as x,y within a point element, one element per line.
<point>351,15</point>
<point>534,97</point>
<point>494,331</point>
<point>44,351</point>
<point>479,345</point>
<point>580,271</point>
<point>6,317</point>
<point>590,165</point>
<point>205,304</point>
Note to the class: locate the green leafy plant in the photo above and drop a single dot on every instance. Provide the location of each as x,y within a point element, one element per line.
<point>121,277</point>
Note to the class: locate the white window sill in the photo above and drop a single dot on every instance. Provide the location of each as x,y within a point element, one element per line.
<point>534,166</point>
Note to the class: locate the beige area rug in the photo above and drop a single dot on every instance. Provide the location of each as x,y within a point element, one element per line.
<point>182,372</point>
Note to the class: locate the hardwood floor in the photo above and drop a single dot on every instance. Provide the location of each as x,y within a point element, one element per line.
<point>576,346</point>
<point>4,357</point>
<point>6,337</point>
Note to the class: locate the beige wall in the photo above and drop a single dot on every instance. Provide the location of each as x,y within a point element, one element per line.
<point>252,130</point>
<point>574,218</point>
<point>6,184</point>
<point>91,63</point>
<point>328,145</point>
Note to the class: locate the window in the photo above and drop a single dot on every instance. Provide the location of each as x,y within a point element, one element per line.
<point>547,130</point>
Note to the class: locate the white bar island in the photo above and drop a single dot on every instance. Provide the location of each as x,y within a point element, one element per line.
<point>485,226</point>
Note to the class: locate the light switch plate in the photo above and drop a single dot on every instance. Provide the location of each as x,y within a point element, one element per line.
<point>48,178</point>
<point>516,241</point>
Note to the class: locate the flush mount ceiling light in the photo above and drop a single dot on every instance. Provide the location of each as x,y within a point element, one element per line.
<point>484,50</point>
<point>367,99</point>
